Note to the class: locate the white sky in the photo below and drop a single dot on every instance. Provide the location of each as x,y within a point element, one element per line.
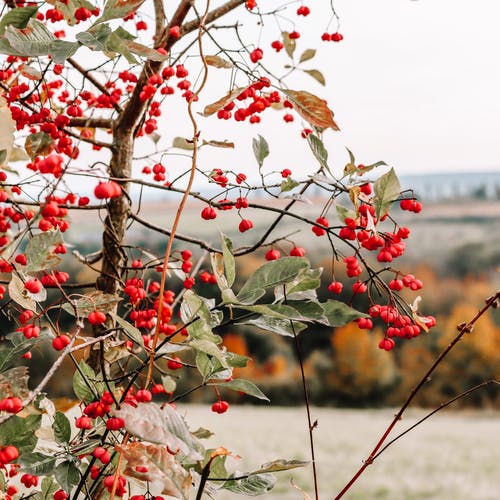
<point>414,83</point>
<point>418,83</point>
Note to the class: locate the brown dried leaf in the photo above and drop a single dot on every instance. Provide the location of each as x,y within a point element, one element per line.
<point>39,144</point>
<point>30,72</point>
<point>218,62</point>
<point>161,468</point>
<point>210,109</point>
<point>219,144</point>
<point>312,109</point>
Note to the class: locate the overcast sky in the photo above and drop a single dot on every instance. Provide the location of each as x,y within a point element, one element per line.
<point>418,82</point>
<point>414,83</point>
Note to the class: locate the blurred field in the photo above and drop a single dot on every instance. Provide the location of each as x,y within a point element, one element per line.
<point>454,455</point>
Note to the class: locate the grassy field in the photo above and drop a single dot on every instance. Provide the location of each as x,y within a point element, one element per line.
<point>451,456</point>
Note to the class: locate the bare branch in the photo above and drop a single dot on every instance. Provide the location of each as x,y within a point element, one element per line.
<point>212,16</point>
<point>91,78</point>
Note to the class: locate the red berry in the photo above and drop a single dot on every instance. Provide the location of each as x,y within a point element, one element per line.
<point>337,37</point>
<point>189,283</point>
<point>386,344</point>
<point>106,190</point>
<point>335,287</point>
<point>396,285</point>
<point>273,254</point>
<point>174,363</point>
<point>175,32</point>
<point>286,172</point>
<point>256,55</point>
<point>143,396</point>
<point>297,252</point>
<point>186,254</point>
<point>245,225</point>
<point>59,343</point>
<point>115,423</point>
<point>208,213</point>
<point>96,318</point>
<point>33,286</point>
<point>277,45</point>
<point>220,407</point>
<point>326,37</point>
<point>359,287</point>
<point>83,422</point>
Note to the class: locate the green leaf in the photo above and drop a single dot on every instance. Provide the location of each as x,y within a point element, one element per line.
<point>340,314</point>
<point>276,325</point>
<point>210,348</point>
<point>260,149</point>
<point>253,485</point>
<point>288,184</point>
<point>38,464</point>
<point>202,433</point>
<point>39,252</point>
<point>17,17</point>
<point>84,382</point>
<point>169,383</point>
<point>236,360</point>
<point>343,213</point>
<point>116,44</point>
<point>38,144</point>
<point>13,348</point>
<point>118,9</point>
<point>96,300</point>
<point>289,43</point>
<point>67,475</point>
<point>204,364</point>
<point>14,382</point>
<point>307,55</point>
<point>309,311</point>
<point>281,465</point>
<point>36,40</point>
<point>229,263</point>
<point>271,274</point>
<point>62,428</point>
<point>194,306</point>
<point>316,74</point>
<point>387,190</point>
<point>129,330</point>
<point>95,38</point>
<point>61,50</point>
<point>162,426</point>
<point>318,150</point>
<point>20,432</point>
<point>303,287</point>
<point>242,385</point>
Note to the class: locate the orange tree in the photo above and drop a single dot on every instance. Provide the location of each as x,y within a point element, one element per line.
<point>84,90</point>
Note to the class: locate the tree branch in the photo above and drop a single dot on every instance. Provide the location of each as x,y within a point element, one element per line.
<point>91,78</point>
<point>99,122</point>
<point>212,16</point>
